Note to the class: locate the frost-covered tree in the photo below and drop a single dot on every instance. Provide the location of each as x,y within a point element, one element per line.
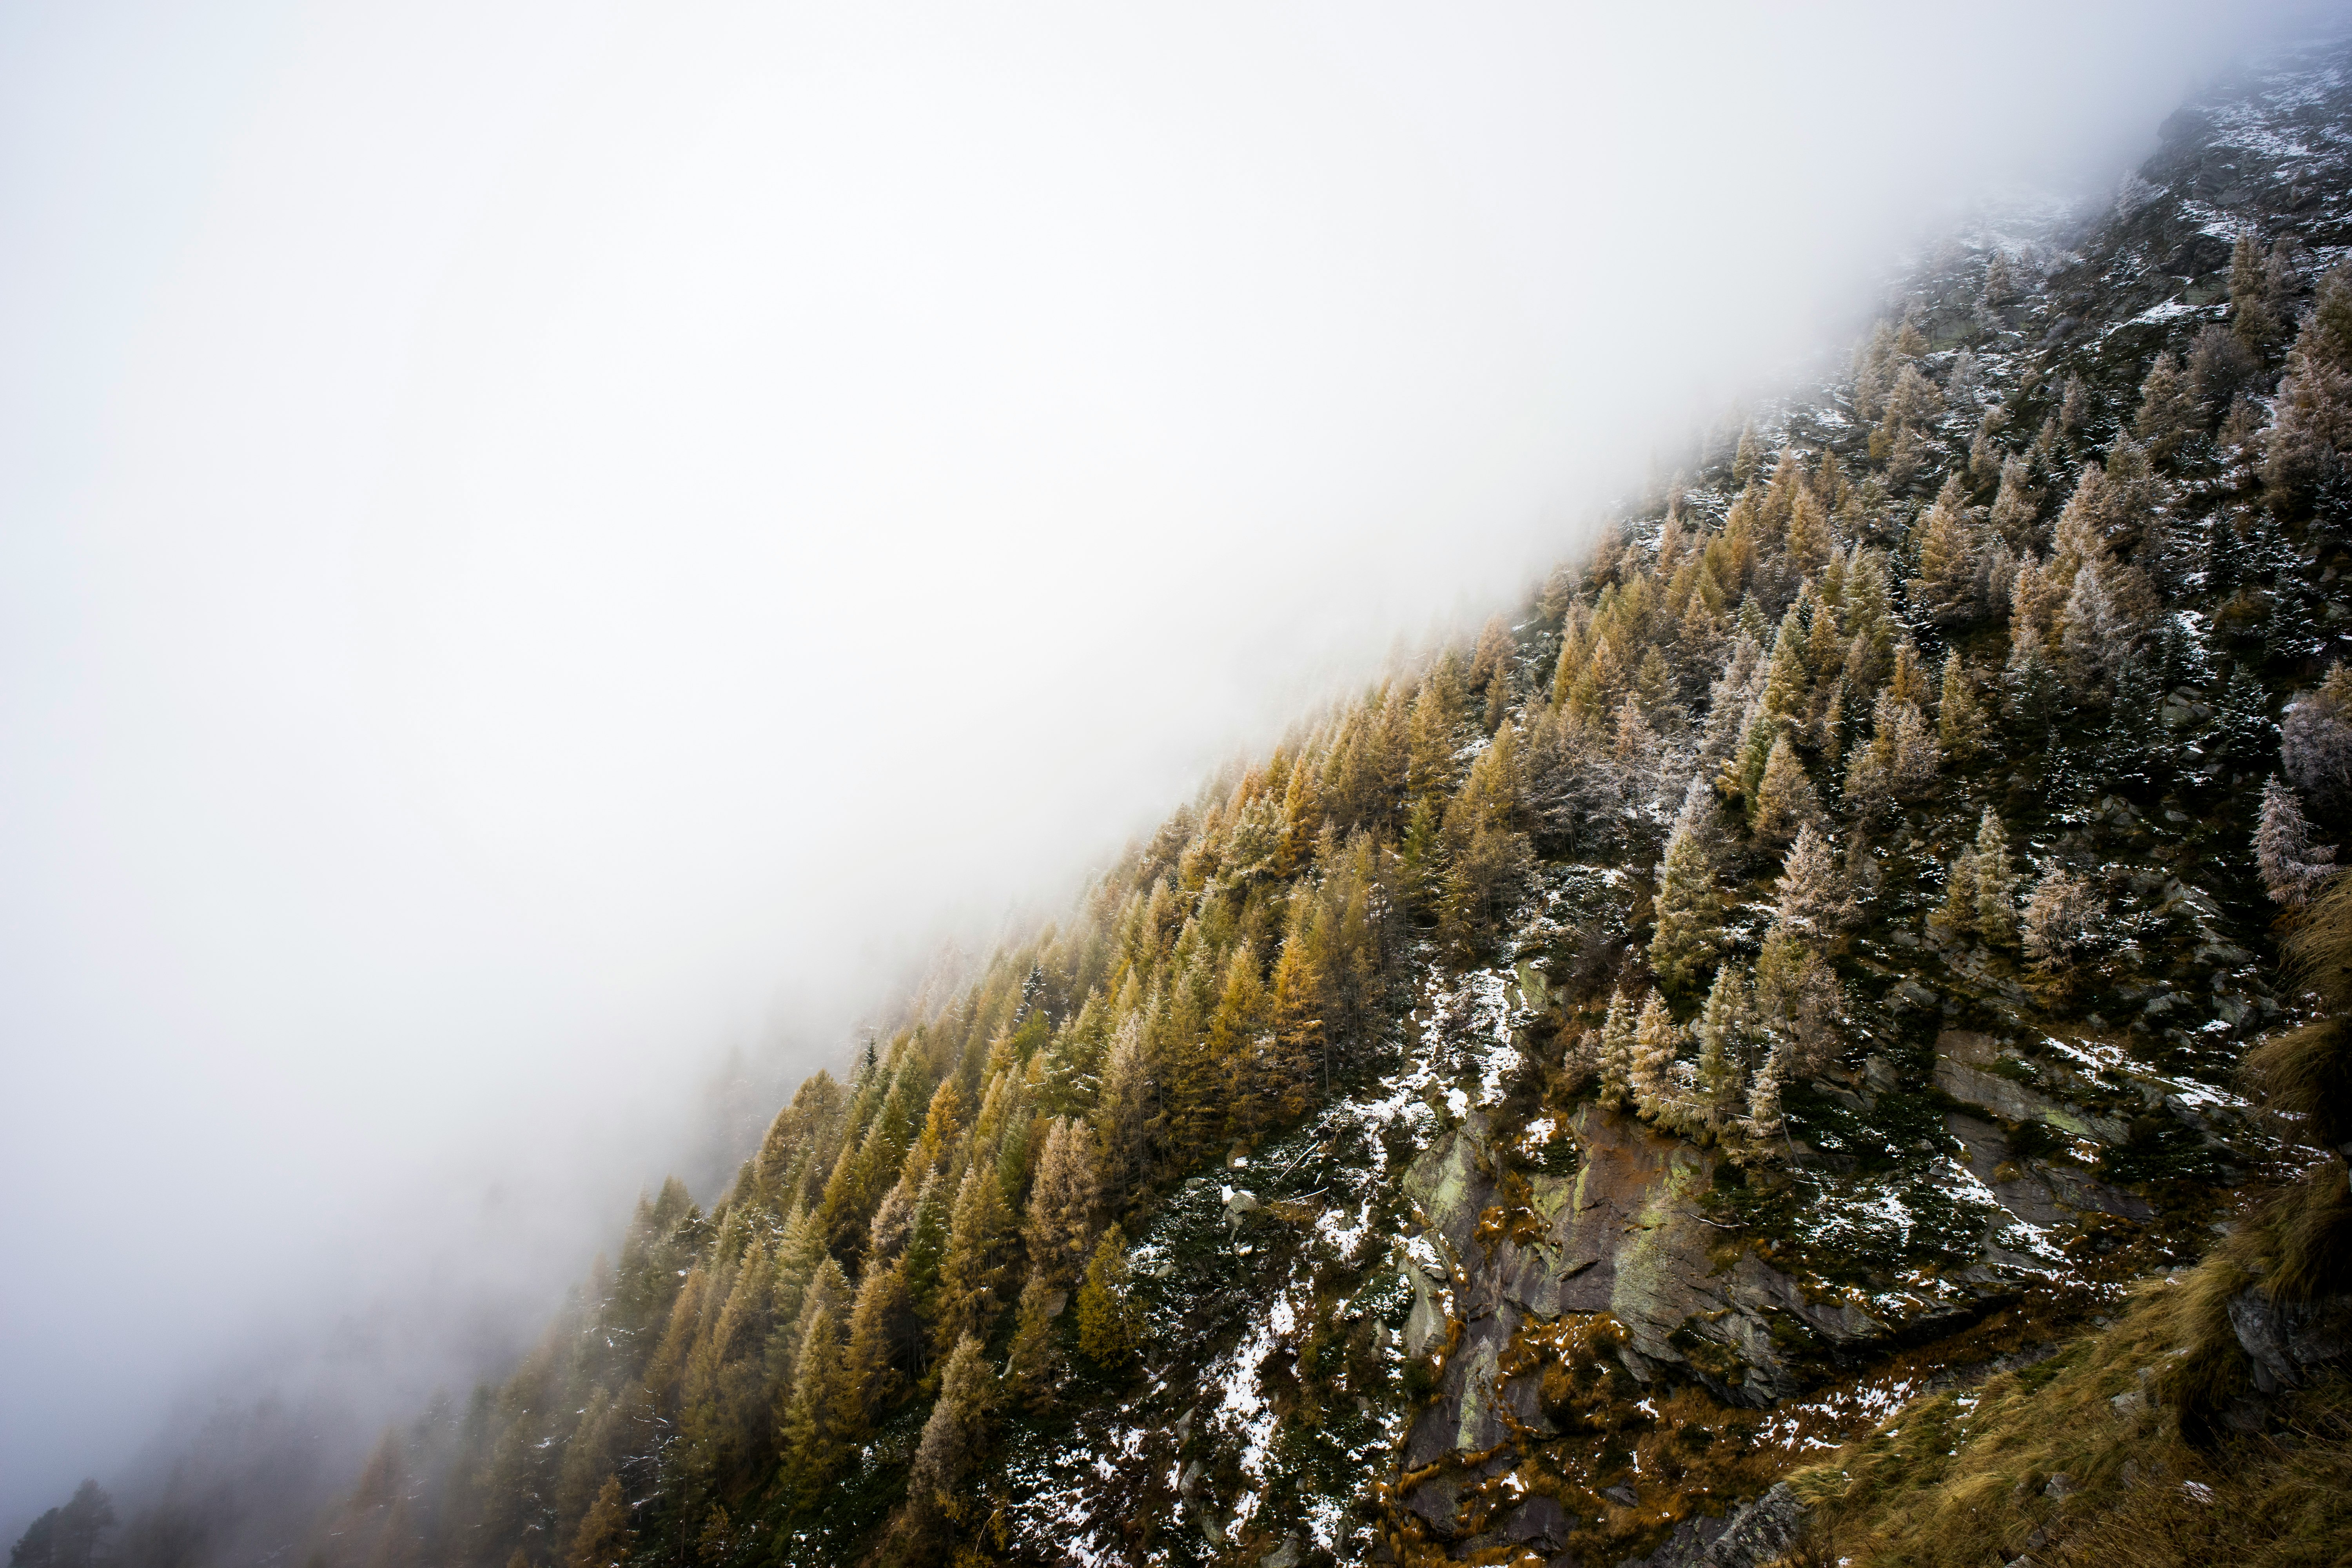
<point>2316,739</point>
<point>1688,911</point>
<point>1125,1113</point>
<point>1800,999</point>
<point>1656,1039</point>
<point>2293,868</point>
<point>1962,727</point>
<point>2061,921</point>
<point>2016,504</point>
<point>2074,406</point>
<point>1616,1051</point>
<point>1996,883</point>
<point>2311,430</point>
<point>1063,1196</point>
<point>2168,411</point>
<point>1944,589</point>
<point>1785,798</point>
<point>1724,1031</point>
<point>1811,898</point>
<point>2219,369</point>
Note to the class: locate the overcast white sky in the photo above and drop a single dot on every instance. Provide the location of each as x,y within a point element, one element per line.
<point>542,542</point>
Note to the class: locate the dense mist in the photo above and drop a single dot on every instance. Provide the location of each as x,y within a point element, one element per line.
<point>555,555</point>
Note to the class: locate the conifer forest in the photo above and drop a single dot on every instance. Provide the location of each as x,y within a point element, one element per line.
<point>1819,1037</point>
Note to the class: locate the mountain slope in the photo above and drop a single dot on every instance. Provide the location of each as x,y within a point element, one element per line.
<point>1801,961</point>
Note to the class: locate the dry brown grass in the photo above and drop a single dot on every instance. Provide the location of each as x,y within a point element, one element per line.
<point>2072,1462</point>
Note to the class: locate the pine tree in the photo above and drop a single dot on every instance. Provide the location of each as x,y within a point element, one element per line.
<point>1124,1114</point>
<point>604,1538</point>
<point>1617,1052</point>
<point>2168,413</point>
<point>869,1377</point>
<point>1811,899</point>
<point>1723,1032</point>
<point>1749,458</point>
<point>1436,735</point>
<point>1944,589</point>
<point>1688,913</point>
<point>2016,504</point>
<point>1908,683</point>
<point>1785,800</point>
<point>2316,739</point>
<point>1298,1023</point>
<point>2293,868</point>
<point>2074,406</point>
<point>1787,682</point>
<point>954,1439</point>
<point>1764,1118</point>
<point>1910,757</point>
<point>1995,916</point>
<point>1800,997</point>
<point>811,1440</point>
<point>1962,728</point>
<point>1110,1323</point>
<point>1808,545</point>
<point>1956,919</point>
<point>1655,1039</point>
<point>2256,325</point>
<point>973,1269</point>
<point>927,1245</point>
<point>1034,1366</point>
<point>1061,1203</point>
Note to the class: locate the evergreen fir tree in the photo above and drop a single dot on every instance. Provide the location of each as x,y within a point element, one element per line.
<point>1062,1203</point>
<point>2016,504</point>
<point>1765,1120</point>
<point>927,1247</point>
<point>1798,995</point>
<point>1687,911</point>
<point>972,1270</point>
<point>1651,1082</point>
<point>2293,868</point>
<point>604,1538</point>
<point>1034,1366</point>
<point>1749,458</point>
<point>812,1438</point>
<point>1944,588</point>
<point>955,1437</point>
<point>1962,727</point>
<point>1110,1321</point>
<point>869,1375</point>
<point>1995,875</point>
<point>1786,682</point>
<point>1723,1032</point>
<point>1811,898</point>
<point>1785,801</point>
<point>1617,1052</point>
<point>1124,1115</point>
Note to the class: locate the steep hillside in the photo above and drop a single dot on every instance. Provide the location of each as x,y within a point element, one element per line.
<point>1797,968</point>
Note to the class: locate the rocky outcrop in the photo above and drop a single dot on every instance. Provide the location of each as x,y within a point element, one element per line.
<point>2288,1342</point>
<point>1626,1237</point>
<point>1764,1531</point>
